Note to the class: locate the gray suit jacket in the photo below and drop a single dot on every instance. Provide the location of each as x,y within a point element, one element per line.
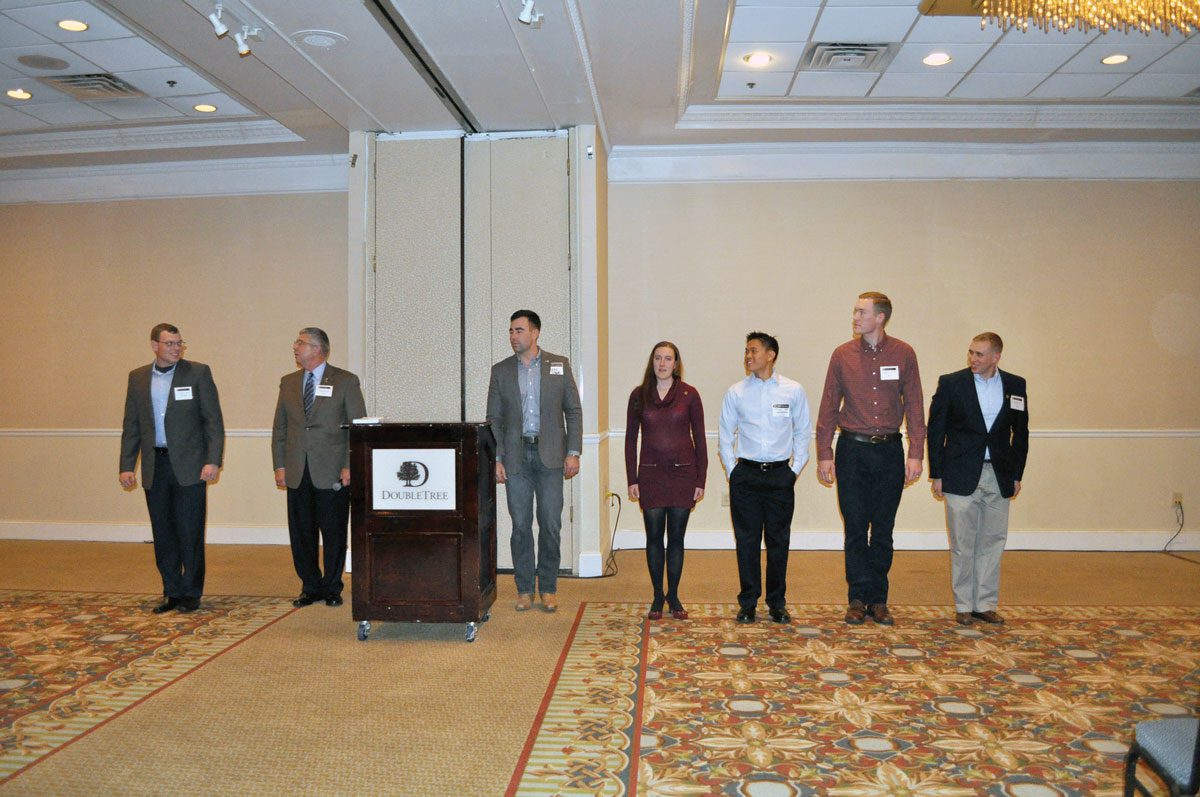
<point>195,429</point>
<point>320,439</point>
<point>559,403</point>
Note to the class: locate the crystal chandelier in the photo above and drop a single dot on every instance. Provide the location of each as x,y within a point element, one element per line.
<point>1118,15</point>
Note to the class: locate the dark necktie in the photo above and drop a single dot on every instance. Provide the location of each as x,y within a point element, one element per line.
<point>309,391</point>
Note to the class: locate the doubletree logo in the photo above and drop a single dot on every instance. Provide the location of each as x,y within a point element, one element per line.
<point>413,474</point>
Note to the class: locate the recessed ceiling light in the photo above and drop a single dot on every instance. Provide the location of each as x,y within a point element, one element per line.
<point>937,59</point>
<point>319,39</point>
<point>204,107</point>
<point>73,25</point>
<point>1114,59</point>
<point>757,59</point>
<point>19,94</point>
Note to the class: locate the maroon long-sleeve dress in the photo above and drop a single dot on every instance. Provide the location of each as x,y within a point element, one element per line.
<point>674,460</point>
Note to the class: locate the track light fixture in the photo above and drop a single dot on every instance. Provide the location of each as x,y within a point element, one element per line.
<point>529,14</point>
<point>247,32</point>
<point>219,27</point>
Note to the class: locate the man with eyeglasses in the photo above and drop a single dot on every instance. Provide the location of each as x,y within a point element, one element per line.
<point>311,454</point>
<point>173,420</point>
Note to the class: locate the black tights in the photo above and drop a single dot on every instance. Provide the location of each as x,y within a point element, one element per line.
<point>675,520</point>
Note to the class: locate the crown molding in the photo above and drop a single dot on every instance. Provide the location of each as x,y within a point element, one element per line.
<point>165,136</point>
<point>223,177</point>
<point>800,162</point>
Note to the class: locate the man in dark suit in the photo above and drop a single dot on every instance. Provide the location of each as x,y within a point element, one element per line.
<point>311,455</point>
<point>978,442</point>
<point>173,420</point>
<point>530,396</point>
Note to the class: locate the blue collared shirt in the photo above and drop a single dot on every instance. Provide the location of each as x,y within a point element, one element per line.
<point>160,391</point>
<point>991,400</point>
<point>770,420</point>
<point>529,379</point>
<point>318,374</point>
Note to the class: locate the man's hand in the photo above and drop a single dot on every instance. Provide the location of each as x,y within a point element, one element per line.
<point>698,494</point>
<point>634,493</point>
<point>501,476</point>
<point>825,471</point>
<point>280,478</point>
<point>937,488</point>
<point>1016,489</point>
<point>345,477</point>
<point>129,481</point>
<point>209,473</point>
<point>912,470</point>
<point>570,466</point>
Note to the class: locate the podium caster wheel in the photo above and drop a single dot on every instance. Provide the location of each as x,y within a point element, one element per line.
<point>364,628</point>
<point>472,630</point>
<point>486,616</point>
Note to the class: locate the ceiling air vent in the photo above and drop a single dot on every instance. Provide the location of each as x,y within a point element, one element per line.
<point>844,57</point>
<point>92,87</point>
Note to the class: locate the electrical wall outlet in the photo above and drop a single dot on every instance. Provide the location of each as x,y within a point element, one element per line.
<point>1177,500</point>
<point>724,498</point>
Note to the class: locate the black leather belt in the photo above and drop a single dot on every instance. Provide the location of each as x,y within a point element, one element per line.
<point>762,465</point>
<point>873,439</point>
<point>531,439</point>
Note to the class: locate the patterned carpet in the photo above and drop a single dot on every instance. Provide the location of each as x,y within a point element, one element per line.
<point>71,661</point>
<point>1041,706</point>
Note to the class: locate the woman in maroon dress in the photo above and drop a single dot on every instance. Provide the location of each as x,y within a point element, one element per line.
<point>669,479</point>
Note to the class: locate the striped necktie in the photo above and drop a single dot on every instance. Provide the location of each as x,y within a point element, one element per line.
<point>309,391</point>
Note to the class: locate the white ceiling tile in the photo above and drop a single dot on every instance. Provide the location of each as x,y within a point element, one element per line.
<point>76,65</point>
<point>225,105</point>
<point>1036,36</point>
<point>44,19</point>
<point>122,55</point>
<point>865,25</point>
<point>41,93</point>
<point>953,30</point>
<point>1183,60</point>
<point>1140,56</point>
<point>833,84</point>
<point>154,82</point>
<point>1078,85</point>
<point>766,84</point>
<point>965,56</point>
<point>872,3</point>
<point>772,24</point>
<point>911,84</point>
<point>141,108</point>
<point>777,3</point>
<point>68,113</point>
<point>977,86</point>
<point>13,34</point>
<point>784,57</point>
<point>1157,85</point>
<point>15,120</point>
<point>7,72</point>
<point>1026,58</point>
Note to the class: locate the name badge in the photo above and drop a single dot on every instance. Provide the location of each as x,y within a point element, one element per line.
<point>781,410</point>
<point>183,394</point>
<point>889,373</point>
<point>325,390</point>
<point>556,369</point>
<point>1017,403</point>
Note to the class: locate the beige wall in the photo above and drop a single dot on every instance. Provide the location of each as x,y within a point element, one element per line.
<point>82,286</point>
<point>1095,287</point>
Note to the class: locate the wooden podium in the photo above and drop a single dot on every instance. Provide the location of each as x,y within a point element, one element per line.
<point>422,523</point>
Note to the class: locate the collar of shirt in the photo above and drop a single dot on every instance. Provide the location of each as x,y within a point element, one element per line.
<point>773,379</point>
<point>987,381</point>
<point>318,374</point>
<point>536,362</point>
<point>883,339</point>
<point>169,372</point>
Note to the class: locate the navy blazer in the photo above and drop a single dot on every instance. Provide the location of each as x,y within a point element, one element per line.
<point>958,438</point>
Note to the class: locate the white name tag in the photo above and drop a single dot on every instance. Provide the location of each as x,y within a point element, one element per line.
<point>556,369</point>
<point>1017,403</point>
<point>781,410</point>
<point>889,373</point>
<point>325,390</point>
<point>183,394</point>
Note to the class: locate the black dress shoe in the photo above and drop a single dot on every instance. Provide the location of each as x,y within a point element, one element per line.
<point>333,600</point>
<point>188,605</point>
<point>166,606</point>
<point>745,616</point>
<point>304,599</point>
<point>780,615</point>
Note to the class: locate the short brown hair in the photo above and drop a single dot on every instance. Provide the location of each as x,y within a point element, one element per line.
<point>161,328</point>
<point>993,340</point>
<point>880,302</point>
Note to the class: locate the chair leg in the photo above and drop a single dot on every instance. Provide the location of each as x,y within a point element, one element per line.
<point>1132,787</point>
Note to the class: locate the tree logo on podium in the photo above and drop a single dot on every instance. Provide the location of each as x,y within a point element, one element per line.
<point>413,474</point>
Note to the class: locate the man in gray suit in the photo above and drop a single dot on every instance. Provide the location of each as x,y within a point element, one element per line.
<point>173,420</point>
<point>311,455</point>
<point>529,397</point>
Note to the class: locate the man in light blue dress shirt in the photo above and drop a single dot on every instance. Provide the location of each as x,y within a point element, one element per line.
<point>765,417</point>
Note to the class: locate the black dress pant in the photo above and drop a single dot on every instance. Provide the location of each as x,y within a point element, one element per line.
<point>870,480</point>
<point>761,503</point>
<point>177,517</point>
<point>316,515</point>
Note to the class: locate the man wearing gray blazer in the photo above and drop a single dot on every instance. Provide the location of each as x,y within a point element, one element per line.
<point>311,455</point>
<point>173,421</point>
<point>537,418</point>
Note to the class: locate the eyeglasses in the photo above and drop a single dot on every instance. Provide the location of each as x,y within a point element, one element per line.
<point>304,343</point>
<point>171,344</point>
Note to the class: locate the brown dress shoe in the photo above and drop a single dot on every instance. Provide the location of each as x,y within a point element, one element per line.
<point>881,615</point>
<point>524,602</point>
<point>856,613</point>
<point>549,602</point>
<point>988,617</point>
<point>962,618</point>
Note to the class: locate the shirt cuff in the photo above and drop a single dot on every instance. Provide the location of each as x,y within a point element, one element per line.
<point>573,453</point>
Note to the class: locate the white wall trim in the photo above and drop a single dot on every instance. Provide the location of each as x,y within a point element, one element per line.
<point>935,540</point>
<point>423,135</point>
<point>136,532</point>
<point>221,177</point>
<point>801,162</point>
<point>111,432</point>
<point>159,136</point>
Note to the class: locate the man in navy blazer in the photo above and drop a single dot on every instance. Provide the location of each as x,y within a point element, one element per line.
<point>173,420</point>
<point>978,442</point>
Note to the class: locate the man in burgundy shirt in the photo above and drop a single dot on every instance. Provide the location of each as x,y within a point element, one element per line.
<point>872,384</point>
